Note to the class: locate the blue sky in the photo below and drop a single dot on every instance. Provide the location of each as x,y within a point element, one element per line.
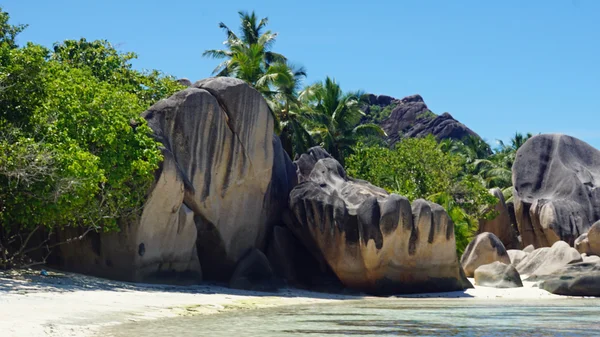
<point>497,66</point>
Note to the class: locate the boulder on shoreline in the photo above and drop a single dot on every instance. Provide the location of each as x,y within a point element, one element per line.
<point>484,249</point>
<point>373,241</point>
<point>223,184</point>
<point>497,275</point>
<point>556,194</point>
<point>579,279</point>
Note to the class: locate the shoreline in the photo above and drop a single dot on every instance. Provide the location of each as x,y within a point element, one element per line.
<point>68,304</point>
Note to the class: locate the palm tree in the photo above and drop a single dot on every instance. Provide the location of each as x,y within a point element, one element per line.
<point>335,116</point>
<point>280,86</point>
<point>496,171</point>
<point>247,56</point>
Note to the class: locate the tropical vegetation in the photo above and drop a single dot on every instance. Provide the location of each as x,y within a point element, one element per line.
<point>75,153</point>
<point>74,150</point>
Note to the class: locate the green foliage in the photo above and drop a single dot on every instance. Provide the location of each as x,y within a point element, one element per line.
<point>426,115</point>
<point>378,114</point>
<point>8,32</point>
<point>74,150</point>
<point>335,118</point>
<point>419,168</point>
<point>247,56</point>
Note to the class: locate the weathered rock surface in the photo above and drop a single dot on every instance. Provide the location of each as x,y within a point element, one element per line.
<point>484,249</point>
<point>556,194</point>
<point>579,279</point>
<point>223,184</point>
<point>590,258</point>
<point>501,225</point>
<point>253,272</point>
<point>546,260</point>
<point>516,256</point>
<point>497,275</point>
<point>373,241</point>
<point>589,243</point>
<point>412,118</point>
<point>160,246</point>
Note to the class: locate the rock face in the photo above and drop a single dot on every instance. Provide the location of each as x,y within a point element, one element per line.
<point>546,260</point>
<point>373,241</point>
<point>412,118</point>
<point>485,248</point>
<point>498,275</point>
<point>579,279</point>
<point>556,194</point>
<point>501,225</point>
<point>589,243</point>
<point>223,184</point>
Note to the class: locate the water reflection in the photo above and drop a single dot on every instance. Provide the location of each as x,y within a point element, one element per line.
<point>389,317</point>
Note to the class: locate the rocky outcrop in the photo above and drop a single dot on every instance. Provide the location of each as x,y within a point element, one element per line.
<point>223,184</point>
<point>501,225</point>
<point>412,118</point>
<point>579,279</point>
<point>497,275</point>
<point>484,249</point>
<point>373,241</point>
<point>556,194</point>
<point>589,243</point>
<point>546,260</point>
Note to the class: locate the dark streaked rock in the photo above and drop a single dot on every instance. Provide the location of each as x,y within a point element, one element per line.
<point>484,249</point>
<point>556,191</point>
<point>373,241</point>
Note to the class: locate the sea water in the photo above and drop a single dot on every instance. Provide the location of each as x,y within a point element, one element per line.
<point>388,317</point>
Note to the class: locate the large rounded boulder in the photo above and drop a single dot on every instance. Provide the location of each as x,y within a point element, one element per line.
<point>373,241</point>
<point>556,194</point>
<point>484,249</point>
<point>223,184</point>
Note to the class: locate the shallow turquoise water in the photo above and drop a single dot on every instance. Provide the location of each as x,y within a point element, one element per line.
<point>389,317</point>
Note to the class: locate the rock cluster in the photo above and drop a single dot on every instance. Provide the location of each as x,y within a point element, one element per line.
<point>412,118</point>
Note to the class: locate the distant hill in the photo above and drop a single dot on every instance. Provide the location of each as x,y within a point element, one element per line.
<point>410,117</point>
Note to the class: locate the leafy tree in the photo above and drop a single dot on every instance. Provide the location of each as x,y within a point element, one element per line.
<point>336,117</point>
<point>74,150</point>
<point>8,32</point>
<point>109,65</point>
<point>419,168</point>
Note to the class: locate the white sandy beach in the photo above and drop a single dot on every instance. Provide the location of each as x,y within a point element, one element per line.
<point>65,304</point>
